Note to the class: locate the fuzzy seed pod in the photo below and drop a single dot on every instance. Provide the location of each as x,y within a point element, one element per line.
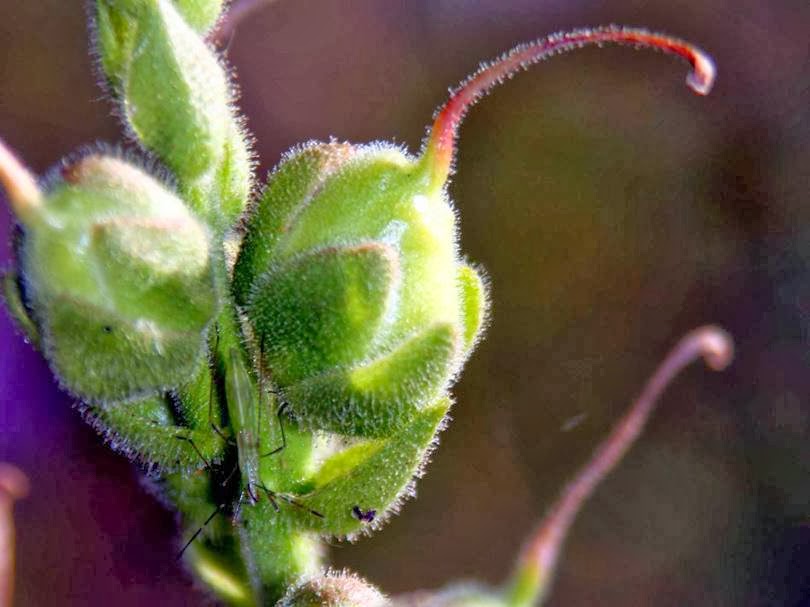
<point>351,276</point>
<point>117,273</point>
<point>350,272</point>
<point>175,97</point>
<point>333,589</point>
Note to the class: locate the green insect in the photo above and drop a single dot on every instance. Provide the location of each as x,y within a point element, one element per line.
<point>245,415</point>
<point>243,411</point>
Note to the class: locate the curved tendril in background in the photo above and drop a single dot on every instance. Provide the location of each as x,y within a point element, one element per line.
<point>14,485</point>
<point>537,563</point>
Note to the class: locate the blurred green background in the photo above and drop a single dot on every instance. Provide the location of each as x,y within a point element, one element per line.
<point>613,211</point>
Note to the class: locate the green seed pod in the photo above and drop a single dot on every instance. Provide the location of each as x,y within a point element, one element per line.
<point>176,98</point>
<point>333,589</point>
<point>349,489</point>
<point>365,310</point>
<point>118,275</point>
<point>146,432</point>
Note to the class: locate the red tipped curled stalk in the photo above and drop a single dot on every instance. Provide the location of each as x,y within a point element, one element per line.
<point>440,148</point>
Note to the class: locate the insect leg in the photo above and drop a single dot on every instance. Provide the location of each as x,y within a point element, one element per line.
<point>237,510</point>
<point>253,497</point>
<point>284,406</point>
<point>198,532</point>
<point>211,391</point>
<point>272,498</point>
<point>191,442</point>
<point>298,504</point>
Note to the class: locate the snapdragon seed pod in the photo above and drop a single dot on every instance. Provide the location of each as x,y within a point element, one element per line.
<point>176,99</point>
<point>146,432</point>
<point>174,73</point>
<point>333,589</point>
<point>375,475</point>
<point>423,308</point>
<point>118,276</point>
<point>384,312</point>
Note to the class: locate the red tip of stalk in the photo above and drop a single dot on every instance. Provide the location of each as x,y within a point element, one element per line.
<point>538,560</point>
<point>439,148</point>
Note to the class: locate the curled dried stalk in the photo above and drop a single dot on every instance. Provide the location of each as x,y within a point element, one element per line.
<point>538,561</point>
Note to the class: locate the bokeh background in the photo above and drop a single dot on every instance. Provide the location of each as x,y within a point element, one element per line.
<point>613,210</point>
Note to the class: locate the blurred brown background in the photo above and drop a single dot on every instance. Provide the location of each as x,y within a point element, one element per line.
<point>613,210</point>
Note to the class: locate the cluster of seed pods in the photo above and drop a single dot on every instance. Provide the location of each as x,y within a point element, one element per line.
<point>280,363</point>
